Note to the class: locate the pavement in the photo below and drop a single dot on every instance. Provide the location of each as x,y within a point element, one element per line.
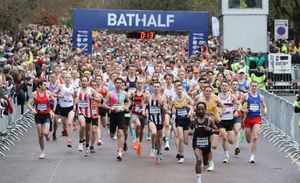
<point>67,165</point>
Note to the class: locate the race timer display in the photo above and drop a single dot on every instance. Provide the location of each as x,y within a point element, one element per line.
<point>141,35</point>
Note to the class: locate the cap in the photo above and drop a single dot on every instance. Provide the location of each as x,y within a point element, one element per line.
<point>220,63</point>
<point>241,71</point>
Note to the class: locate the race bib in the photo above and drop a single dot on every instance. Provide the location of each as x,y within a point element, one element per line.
<point>202,142</point>
<point>41,107</point>
<point>94,111</point>
<point>182,112</point>
<point>131,90</point>
<point>117,107</point>
<point>155,110</point>
<point>228,110</point>
<point>67,99</point>
<point>138,108</point>
<point>83,104</point>
<point>254,107</point>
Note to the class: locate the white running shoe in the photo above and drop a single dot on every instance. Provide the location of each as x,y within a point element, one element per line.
<point>167,146</point>
<point>181,160</point>
<point>211,166</point>
<point>152,153</point>
<point>42,156</point>
<point>252,159</point>
<point>115,137</point>
<point>80,147</point>
<point>86,153</point>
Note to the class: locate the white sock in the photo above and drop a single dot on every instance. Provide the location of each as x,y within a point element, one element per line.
<point>252,156</point>
<point>227,154</point>
<point>198,178</point>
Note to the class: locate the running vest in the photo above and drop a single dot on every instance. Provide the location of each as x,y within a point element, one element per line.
<point>155,111</point>
<point>182,109</point>
<point>84,103</point>
<point>52,88</point>
<point>185,85</point>
<point>132,84</point>
<point>243,85</point>
<point>229,107</point>
<point>42,103</point>
<point>253,105</point>
<point>137,103</point>
<point>169,93</point>
<point>211,108</point>
<point>201,136</point>
<point>117,101</point>
<point>67,100</point>
<point>94,111</point>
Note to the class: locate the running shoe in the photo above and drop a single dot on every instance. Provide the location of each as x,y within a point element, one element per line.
<point>148,137</point>
<point>164,139</point>
<point>54,136</point>
<point>252,159</point>
<point>69,143</point>
<point>211,166</point>
<point>135,145</point>
<point>156,159</point>
<point>80,147</point>
<point>160,156</point>
<point>74,126</point>
<point>119,157</point>
<point>92,150</point>
<point>86,153</point>
<point>181,160</point>
<point>115,137</point>
<point>167,146</point>
<point>152,153</point>
<point>226,160</point>
<point>125,147</point>
<point>178,156</point>
<point>64,133</point>
<point>42,156</point>
<point>99,142</point>
<point>139,150</point>
<point>237,151</point>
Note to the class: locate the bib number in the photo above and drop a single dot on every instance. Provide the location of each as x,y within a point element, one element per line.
<point>42,107</point>
<point>83,104</point>
<point>182,112</point>
<point>254,107</point>
<point>155,110</point>
<point>202,142</point>
<point>117,107</point>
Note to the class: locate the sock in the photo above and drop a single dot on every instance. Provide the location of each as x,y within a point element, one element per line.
<point>227,154</point>
<point>198,178</point>
<point>86,145</point>
<point>252,156</point>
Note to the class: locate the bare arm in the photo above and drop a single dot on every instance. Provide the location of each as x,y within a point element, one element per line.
<point>31,102</point>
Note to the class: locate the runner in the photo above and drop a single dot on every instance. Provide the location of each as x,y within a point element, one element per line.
<point>85,96</point>
<point>156,105</point>
<point>52,85</point>
<point>118,102</point>
<point>138,114</point>
<point>66,93</point>
<point>253,118</point>
<point>227,118</point>
<point>42,112</point>
<point>203,129</point>
<point>182,104</point>
<point>169,92</point>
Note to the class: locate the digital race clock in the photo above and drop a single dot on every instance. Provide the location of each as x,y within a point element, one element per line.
<point>141,35</point>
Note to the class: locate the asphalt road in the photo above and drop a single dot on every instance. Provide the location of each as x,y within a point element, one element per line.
<point>65,165</point>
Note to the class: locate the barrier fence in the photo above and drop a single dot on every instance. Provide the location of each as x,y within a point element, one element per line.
<point>281,126</point>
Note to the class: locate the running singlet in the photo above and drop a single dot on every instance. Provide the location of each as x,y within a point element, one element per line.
<point>243,86</point>
<point>182,109</point>
<point>201,137</point>
<point>155,111</point>
<point>52,88</point>
<point>117,101</point>
<point>42,103</point>
<point>137,103</point>
<point>84,103</point>
<point>185,85</point>
<point>211,108</point>
<point>253,105</point>
<point>169,93</point>
<point>67,100</point>
<point>132,84</point>
<point>229,107</point>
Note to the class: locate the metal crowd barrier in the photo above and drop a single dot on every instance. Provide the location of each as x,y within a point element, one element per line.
<point>13,126</point>
<point>283,80</point>
<point>281,126</point>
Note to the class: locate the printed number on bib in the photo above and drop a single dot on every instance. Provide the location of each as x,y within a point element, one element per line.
<point>83,104</point>
<point>138,108</point>
<point>202,142</point>
<point>154,110</point>
<point>117,107</point>
<point>210,116</point>
<point>94,111</point>
<point>41,107</point>
<point>182,112</point>
<point>67,99</point>
<point>254,107</point>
